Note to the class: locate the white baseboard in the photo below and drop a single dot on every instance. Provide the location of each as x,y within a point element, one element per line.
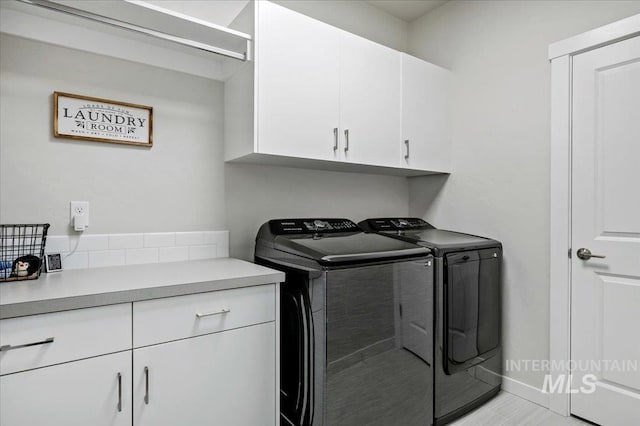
<point>523,390</point>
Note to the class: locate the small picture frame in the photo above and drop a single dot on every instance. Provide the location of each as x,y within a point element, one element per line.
<point>53,262</point>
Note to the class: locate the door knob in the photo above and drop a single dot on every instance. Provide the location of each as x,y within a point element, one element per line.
<point>585,254</point>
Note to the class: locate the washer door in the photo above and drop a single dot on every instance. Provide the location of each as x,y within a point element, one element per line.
<point>471,307</point>
<point>379,348</point>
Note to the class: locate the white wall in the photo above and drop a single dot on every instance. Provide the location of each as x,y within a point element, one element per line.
<point>255,194</point>
<point>177,185</point>
<point>357,17</point>
<point>182,183</point>
<point>219,12</point>
<point>499,186</point>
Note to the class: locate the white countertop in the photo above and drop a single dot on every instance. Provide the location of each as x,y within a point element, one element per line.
<point>83,288</point>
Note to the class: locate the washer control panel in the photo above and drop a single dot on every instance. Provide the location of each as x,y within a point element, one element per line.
<point>311,226</point>
<point>394,224</point>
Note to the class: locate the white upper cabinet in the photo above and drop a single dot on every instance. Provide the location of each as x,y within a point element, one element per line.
<point>425,115</point>
<point>323,93</point>
<point>298,84</point>
<point>369,101</point>
<point>320,97</point>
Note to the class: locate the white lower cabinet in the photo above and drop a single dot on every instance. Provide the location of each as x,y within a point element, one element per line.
<point>226,378</point>
<point>205,359</point>
<point>199,359</point>
<point>94,391</point>
<point>35,341</point>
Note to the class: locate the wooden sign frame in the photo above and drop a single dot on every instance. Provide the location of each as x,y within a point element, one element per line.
<point>102,120</point>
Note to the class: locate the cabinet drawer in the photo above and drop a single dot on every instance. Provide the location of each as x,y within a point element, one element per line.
<point>41,340</point>
<point>162,320</point>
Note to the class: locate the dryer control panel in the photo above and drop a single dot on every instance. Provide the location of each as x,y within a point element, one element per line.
<point>311,226</point>
<point>394,224</point>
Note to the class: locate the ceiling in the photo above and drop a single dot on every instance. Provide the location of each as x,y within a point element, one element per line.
<point>407,10</point>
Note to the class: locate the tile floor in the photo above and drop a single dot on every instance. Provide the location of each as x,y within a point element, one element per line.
<point>509,410</point>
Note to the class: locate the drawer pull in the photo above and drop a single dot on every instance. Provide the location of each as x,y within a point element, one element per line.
<point>146,385</point>
<point>6,348</point>
<point>119,392</point>
<point>220,312</point>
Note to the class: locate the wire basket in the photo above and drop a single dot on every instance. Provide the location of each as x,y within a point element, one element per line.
<point>22,251</point>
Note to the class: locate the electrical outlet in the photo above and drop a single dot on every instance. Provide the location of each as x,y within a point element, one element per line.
<point>80,215</point>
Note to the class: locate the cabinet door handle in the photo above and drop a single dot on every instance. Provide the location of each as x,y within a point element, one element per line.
<point>346,140</point>
<point>6,348</point>
<point>220,312</point>
<point>146,385</point>
<point>406,142</point>
<point>335,138</point>
<point>119,392</point>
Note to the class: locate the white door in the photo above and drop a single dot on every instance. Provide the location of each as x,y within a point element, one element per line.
<point>225,378</point>
<point>605,313</point>
<point>94,391</point>
<point>370,78</point>
<point>425,115</point>
<point>297,85</point>
<point>416,299</point>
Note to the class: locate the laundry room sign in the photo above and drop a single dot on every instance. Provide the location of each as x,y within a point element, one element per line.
<point>102,120</point>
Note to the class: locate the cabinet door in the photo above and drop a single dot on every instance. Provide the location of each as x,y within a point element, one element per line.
<point>425,115</point>
<point>297,84</point>
<point>80,393</point>
<point>225,378</point>
<point>370,101</point>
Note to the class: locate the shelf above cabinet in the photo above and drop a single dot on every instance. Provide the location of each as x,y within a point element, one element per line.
<point>132,30</point>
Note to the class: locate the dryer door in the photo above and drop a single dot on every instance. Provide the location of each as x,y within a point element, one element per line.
<point>471,307</point>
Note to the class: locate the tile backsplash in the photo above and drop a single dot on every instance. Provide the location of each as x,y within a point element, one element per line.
<point>96,250</point>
